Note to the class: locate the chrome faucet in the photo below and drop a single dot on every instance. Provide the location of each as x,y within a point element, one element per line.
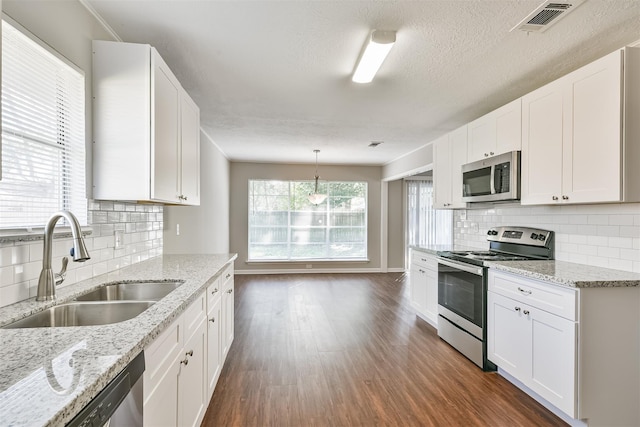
<point>48,281</point>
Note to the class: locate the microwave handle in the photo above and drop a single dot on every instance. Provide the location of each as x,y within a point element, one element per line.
<point>493,179</point>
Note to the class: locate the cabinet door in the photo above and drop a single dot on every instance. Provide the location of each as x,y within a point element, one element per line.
<point>482,138</point>
<point>542,138</point>
<point>192,381</point>
<point>458,143</point>
<point>228,316</point>
<point>509,127</point>
<point>418,283</point>
<point>431,302</point>
<point>165,113</point>
<point>442,173</point>
<point>553,359</point>
<point>161,404</point>
<point>190,151</point>
<point>508,336</point>
<point>592,150</point>
<point>214,337</point>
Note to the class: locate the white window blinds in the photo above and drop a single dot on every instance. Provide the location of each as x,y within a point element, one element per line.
<point>425,225</point>
<point>43,144</point>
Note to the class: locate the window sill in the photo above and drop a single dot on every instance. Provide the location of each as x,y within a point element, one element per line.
<point>304,261</point>
<point>35,234</point>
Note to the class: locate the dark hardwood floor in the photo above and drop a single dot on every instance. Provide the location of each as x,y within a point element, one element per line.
<point>347,350</point>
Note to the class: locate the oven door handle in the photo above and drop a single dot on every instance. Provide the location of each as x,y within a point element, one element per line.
<point>464,267</point>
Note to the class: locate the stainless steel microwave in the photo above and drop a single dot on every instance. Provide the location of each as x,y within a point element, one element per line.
<point>494,179</point>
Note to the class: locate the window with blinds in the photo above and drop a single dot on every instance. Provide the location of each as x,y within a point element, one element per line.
<point>426,226</point>
<point>43,144</point>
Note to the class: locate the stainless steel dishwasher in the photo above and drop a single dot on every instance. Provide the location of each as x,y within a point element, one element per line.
<point>119,403</point>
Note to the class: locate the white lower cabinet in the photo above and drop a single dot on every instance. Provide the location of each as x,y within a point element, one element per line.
<point>536,347</point>
<point>227,310</point>
<point>423,282</point>
<point>214,336</point>
<point>183,363</point>
<point>577,348</point>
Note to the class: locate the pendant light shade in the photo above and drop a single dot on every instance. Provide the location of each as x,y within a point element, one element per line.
<point>315,197</point>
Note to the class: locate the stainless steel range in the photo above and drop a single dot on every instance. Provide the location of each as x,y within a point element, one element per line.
<point>462,286</point>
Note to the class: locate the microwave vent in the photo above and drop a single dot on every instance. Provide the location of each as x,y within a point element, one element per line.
<point>547,14</point>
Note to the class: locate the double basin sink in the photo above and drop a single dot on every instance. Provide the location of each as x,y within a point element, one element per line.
<point>112,303</point>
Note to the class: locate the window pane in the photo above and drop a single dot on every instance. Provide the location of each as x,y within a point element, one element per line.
<point>280,212</point>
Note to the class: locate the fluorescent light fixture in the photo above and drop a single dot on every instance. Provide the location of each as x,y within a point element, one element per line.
<point>378,46</point>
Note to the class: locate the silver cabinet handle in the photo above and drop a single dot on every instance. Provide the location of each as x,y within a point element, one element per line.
<point>214,291</point>
<point>517,308</point>
<point>423,259</point>
<point>184,362</point>
<point>212,320</point>
<point>524,291</point>
<point>229,291</point>
<point>526,312</point>
<point>228,275</point>
<point>189,353</point>
<point>491,153</point>
<point>486,155</point>
<point>554,197</point>
<point>565,197</point>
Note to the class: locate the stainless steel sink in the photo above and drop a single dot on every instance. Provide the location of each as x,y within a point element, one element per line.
<point>131,291</point>
<point>83,314</point>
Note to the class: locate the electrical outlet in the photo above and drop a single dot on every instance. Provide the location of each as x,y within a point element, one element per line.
<point>118,239</point>
<point>177,229</point>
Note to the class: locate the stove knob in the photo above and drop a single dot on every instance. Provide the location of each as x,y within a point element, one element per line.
<point>534,236</point>
<point>541,237</point>
<point>494,232</point>
<point>490,232</point>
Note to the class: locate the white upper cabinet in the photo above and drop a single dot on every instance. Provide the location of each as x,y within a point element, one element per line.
<point>580,135</point>
<point>449,154</point>
<point>495,133</point>
<point>145,128</point>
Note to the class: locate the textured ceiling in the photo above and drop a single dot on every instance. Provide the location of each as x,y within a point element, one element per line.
<point>272,78</point>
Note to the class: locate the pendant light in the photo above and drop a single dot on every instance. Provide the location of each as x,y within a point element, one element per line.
<point>315,197</point>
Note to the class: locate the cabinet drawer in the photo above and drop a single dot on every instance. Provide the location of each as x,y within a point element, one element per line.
<point>424,260</point>
<point>161,354</point>
<point>193,315</point>
<point>214,290</point>
<point>547,297</point>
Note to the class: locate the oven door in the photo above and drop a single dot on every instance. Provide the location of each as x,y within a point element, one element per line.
<point>461,295</point>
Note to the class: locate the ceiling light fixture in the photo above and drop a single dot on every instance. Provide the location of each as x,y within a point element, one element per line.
<point>315,197</point>
<point>378,46</point>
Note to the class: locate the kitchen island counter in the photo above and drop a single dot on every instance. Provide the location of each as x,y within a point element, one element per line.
<point>47,375</point>
<point>569,274</point>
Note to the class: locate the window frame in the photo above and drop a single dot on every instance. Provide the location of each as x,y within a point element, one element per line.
<point>327,212</point>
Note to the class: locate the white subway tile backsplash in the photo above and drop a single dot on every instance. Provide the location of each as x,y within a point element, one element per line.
<point>606,235</point>
<point>21,262</point>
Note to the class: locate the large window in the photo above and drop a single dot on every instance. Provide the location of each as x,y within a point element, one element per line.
<point>284,225</point>
<point>43,144</point>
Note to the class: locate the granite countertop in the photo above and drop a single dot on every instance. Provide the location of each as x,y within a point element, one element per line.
<point>47,375</point>
<point>434,249</point>
<point>569,274</point>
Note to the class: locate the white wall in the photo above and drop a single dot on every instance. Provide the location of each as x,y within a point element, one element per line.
<point>395,238</point>
<point>204,228</point>
<point>600,235</point>
<point>415,162</point>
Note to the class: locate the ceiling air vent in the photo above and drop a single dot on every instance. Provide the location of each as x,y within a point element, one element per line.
<point>547,14</point>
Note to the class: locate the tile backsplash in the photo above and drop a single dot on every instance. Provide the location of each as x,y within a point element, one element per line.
<point>141,227</point>
<point>600,235</point>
